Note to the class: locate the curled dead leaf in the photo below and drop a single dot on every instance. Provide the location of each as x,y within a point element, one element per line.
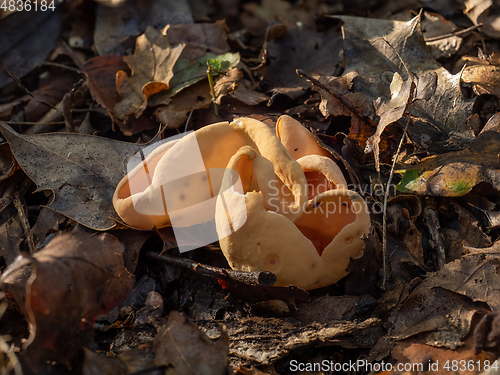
<point>74,278</point>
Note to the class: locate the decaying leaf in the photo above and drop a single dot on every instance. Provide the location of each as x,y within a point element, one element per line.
<point>81,170</point>
<point>74,278</point>
<point>26,38</point>
<point>418,356</point>
<point>444,317</point>
<point>191,98</point>
<point>199,38</point>
<point>183,346</point>
<point>403,94</point>
<point>390,47</point>
<point>328,308</point>
<point>484,12</point>
<point>482,75</point>
<point>435,25</point>
<point>338,100</point>
<point>101,73</point>
<point>487,334</point>
<point>312,52</point>
<point>474,275</point>
<point>116,25</point>
<point>455,173</point>
<point>152,69</point>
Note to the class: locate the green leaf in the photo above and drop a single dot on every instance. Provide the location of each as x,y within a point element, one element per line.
<point>218,66</point>
<point>187,73</point>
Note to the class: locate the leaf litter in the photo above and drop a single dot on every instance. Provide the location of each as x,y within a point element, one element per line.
<point>360,80</point>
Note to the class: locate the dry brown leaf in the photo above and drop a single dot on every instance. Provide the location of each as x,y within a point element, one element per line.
<point>487,334</point>
<point>388,47</point>
<point>338,100</point>
<point>199,38</point>
<point>469,231</point>
<point>81,170</point>
<point>183,346</point>
<point>482,75</point>
<point>264,341</point>
<point>435,25</point>
<point>11,230</point>
<point>191,98</point>
<point>423,358</point>
<point>101,74</point>
<point>312,52</point>
<point>474,275</point>
<point>51,90</point>
<point>442,316</point>
<point>328,308</point>
<point>152,69</point>
<point>234,84</point>
<point>26,38</point>
<point>403,94</point>
<point>246,94</point>
<point>485,12</point>
<point>116,26</point>
<point>74,278</point>
<point>455,173</point>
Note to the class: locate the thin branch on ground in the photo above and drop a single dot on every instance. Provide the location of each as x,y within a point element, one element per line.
<point>386,199</point>
<point>263,278</point>
<point>456,33</point>
<point>22,87</point>
<point>62,66</point>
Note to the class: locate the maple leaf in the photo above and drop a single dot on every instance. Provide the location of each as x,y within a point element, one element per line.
<point>152,69</point>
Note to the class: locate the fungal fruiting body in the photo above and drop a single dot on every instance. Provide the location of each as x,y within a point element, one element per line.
<point>310,252</point>
<point>173,178</point>
<point>279,202</point>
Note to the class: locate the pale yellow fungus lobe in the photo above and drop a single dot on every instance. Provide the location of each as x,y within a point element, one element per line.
<point>313,251</point>
<point>291,214</point>
<point>210,148</point>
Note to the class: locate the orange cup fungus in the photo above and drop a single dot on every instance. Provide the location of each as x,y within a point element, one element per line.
<point>291,214</point>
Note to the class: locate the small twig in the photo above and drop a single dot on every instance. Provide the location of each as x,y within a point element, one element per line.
<point>431,221</point>
<point>22,213</point>
<point>20,84</point>
<point>252,278</point>
<point>31,123</point>
<point>44,125</point>
<point>189,118</point>
<point>100,110</point>
<point>62,66</point>
<point>456,33</point>
<point>386,199</point>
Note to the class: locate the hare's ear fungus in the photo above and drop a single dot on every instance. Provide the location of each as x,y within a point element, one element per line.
<point>131,188</point>
<point>297,139</point>
<point>165,188</point>
<point>335,222</point>
<point>253,238</point>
